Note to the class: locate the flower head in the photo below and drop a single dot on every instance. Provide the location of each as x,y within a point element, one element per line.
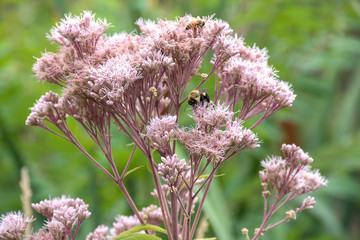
<point>110,80</point>
<point>43,108</point>
<point>13,225</point>
<point>123,223</point>
<point>293,173</point>
<point>82,32</point>
<point>160,130</point>
<point>170,169</point>
<point>152,215</point>
<point>296,155</point>
<point>212,116</point>
<point>63,208</point>
<point>308,202</point>
<point>100,233</point>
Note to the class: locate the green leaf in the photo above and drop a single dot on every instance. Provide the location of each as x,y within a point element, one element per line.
<point>213,238</point>
<point>142,227</point>
<point>138,236</point>
<point>133,170</point>
<point>219,216</point>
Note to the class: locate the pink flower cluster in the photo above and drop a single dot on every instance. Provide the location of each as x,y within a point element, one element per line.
<point>171,168</point>
<point>100,233</point>
<point>285,179</point>
<point>216,133</point>
<point>62,215</point>
<point>161,130</point>
<point>247,77</point>
<point>13,226</point>
<point>139,82</point>
<point>44,108</point>
<point>292,174</point>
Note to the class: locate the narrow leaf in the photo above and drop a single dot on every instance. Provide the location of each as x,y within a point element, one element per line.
<point>142,227</point>
<point>139,236</point>
<point>201,177</point>
<point>133,170</point>
<point>213,238</point>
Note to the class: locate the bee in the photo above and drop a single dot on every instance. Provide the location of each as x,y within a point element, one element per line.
<point>197,97</point>
<point>195,22</point>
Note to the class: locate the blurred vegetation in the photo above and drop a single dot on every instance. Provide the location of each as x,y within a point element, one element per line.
<point>314,44</point>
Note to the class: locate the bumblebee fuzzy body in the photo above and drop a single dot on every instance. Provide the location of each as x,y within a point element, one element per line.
<point>196,22</point>
<point>197,97</point>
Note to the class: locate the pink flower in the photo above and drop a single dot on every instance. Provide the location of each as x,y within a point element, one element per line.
<point>56,229</point>
<point>296,155</point>
<point>51,68</point>
<point>213,116</point>
<point>44,108</point>
<point>13,225</point>
<point>170,169</point>
<point>161,130</point>
<point>100,233</point>
<point>247,77</point>
<point>293,173</point>
<point>61,207</point>
<point>42,234</point>
<point>82,32</point>
<point>122,224</point>
<point>216,133</point>
<point>62,214</point>
<point>308,202</point>
<point>152,215</point>
<point>110,80</point>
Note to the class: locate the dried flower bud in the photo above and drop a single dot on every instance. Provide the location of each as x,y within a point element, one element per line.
<point>152,89</point>
<point>245,232</point>
<point>291,214</point>
<point>256,231</point>
<point>204,75</point>
<point>265,193</point>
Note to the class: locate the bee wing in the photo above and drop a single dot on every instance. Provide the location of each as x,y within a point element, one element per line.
<point>203,90</point>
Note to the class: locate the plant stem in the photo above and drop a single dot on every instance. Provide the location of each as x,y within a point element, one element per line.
<point>174,216</point>
<point>162,199</point>
<point>130,201</point>
<point>197,216</point>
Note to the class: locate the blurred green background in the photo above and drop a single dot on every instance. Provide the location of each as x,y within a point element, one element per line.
<point>314,44</point>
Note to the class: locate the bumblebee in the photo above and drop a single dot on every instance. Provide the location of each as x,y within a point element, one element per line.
<point>198,97</point>
<point>195,22</point>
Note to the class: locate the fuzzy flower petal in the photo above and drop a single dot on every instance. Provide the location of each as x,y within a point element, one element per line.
<point>13,225</point>
<point>160,130</point>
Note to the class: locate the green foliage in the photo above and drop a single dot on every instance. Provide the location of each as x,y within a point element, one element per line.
<point>138,236</point>
<point>139,228</point>
<point>314,44</point>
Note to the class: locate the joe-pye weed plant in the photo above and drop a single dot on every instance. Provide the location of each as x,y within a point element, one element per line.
<point>139,83</point>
